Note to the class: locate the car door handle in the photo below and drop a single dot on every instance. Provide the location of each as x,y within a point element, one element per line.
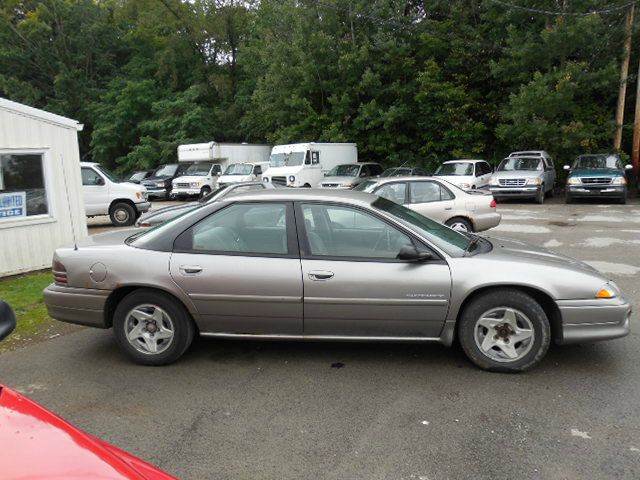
<point>448,208</point>
<point>190,269</point>
<point>319,275</point>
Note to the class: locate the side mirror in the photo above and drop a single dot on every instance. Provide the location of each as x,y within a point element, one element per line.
<point>628,167</point>
<point>567,167</point>
<point>99,181</point>
<point>410,253</point>
<point>7,320</point>
<point>363,174</point>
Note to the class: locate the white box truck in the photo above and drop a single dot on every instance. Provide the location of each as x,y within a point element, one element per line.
<point>304,164</point>
<point>209,161</point>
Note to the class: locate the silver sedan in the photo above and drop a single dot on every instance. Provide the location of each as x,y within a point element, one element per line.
<point>330,265</point>
<point>468,211</point>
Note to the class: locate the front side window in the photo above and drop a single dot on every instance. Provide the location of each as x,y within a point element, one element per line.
<point>90,177</point>
<point>22,186</point>
<point>241,228</point>
<point>337,231</point>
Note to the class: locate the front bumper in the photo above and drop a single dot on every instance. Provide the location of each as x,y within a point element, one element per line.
<point>594,320</point>
<point>185,192</point>
<point>143,206</point>
<point>83,306</point>
<point>515,192</point>
<point>614,191</point>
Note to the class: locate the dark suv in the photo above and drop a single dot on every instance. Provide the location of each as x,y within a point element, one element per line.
<point>597,175</point>
<point>159,185</point>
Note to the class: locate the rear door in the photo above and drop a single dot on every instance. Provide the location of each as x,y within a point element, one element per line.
<point>354,286</point>
<point>241,268</point>
<point>431,200</point>
<point>485,174</point>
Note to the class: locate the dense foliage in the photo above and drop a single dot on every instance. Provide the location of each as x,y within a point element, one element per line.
<point>408,80</point>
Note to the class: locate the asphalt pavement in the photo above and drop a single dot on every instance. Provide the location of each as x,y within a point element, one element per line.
<point>274,410</point>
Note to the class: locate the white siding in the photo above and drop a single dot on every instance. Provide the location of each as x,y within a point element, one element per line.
<point>29,244</point>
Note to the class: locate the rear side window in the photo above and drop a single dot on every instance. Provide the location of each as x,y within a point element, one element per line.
<point>396,192</point>
<point>240,228</point>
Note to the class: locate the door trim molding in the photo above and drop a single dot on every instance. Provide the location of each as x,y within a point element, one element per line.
<point>376,301</point>
<point>332,338</point>
<point>223,297</point>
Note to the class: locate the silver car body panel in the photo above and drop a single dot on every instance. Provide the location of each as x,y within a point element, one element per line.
<point>244,296</point>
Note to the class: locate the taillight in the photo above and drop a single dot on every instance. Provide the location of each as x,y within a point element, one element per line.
<point>493,203</point>
<point>59,273</point>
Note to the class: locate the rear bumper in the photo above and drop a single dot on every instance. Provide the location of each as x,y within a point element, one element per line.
<point>486,221</point>
<point>586,321</point>
<point>614,191</point>
<point>515,192</point>
<point>82,306</point>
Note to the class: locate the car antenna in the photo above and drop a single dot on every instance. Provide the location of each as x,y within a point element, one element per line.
<point>66,188</point>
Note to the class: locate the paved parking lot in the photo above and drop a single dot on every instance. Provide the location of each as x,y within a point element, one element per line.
<point>346,411</point>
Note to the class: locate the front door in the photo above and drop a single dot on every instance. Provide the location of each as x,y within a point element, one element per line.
<point>354,286</point>
<point>241,268</point>
<point>95,191</point>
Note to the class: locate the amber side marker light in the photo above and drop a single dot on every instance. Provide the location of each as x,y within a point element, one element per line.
<point>605,293</point>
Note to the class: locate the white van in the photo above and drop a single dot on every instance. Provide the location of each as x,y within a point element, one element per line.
<point>243,172</point>
<point>305,164</point>
<point>198,180</point>
<point>105,194</point>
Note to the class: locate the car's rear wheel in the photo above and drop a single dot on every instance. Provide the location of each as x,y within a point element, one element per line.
<point>122,214</point>
<point>504,330</point>
<point>459,224</point>
<point>151,328</point>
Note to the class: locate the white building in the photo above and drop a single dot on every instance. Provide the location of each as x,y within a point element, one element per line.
<point>41,205</point>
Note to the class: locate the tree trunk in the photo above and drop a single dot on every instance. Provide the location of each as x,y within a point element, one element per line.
<point>624,75</point>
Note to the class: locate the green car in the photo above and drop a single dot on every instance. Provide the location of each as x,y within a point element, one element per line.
<point>597,176</point>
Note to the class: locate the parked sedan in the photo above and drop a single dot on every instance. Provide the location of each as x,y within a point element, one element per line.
<point>350,175</point>
<point>470,211</point>
<point>161,215</point>
<point>329,265</point>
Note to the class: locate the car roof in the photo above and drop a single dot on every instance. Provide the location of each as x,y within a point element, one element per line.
<point>467,160</point>
<point>308,194</point>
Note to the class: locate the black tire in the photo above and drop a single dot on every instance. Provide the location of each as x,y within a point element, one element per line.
<point>540,196</point>
<point>204,191</point>
<point>509,298</point>
<point>461,222</point>
<point>306,185</point>
<point>183,327</point>
<point>622,200</point>
<point>122,214</point>
<point>551,193</point>
<point>568,198</point>
<point>473,187</point>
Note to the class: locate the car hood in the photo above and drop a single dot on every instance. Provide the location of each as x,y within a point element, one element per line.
<point>525,252</point>
<point>37,444</point>
<point>339,179</point>
<point>518,174</point>
<point>596,172</point>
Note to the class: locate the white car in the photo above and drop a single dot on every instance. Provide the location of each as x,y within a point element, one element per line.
<point>243,172</point>
<point>199,180</point>
<point>105,194</point>
<point>466,174</point>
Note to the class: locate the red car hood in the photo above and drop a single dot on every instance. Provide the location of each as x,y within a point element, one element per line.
<point>36,444</point>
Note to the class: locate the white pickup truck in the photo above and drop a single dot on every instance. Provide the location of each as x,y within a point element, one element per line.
<point>105,194</point>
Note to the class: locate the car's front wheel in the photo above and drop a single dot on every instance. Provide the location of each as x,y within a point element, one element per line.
<point>540,196</point>
<point>151,328</point>
<point>504,330</point>
<point>122,214</point>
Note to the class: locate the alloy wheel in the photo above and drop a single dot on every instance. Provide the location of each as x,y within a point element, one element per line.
<point>149,329</point>
<point>504,334</point>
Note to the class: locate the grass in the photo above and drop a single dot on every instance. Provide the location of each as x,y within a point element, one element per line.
<point>24,294</point>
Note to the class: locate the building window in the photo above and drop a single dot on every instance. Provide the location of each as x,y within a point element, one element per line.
<point>22,186</point>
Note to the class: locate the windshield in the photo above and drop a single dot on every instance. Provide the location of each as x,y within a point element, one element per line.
<point>344,171</point>
<point>367,186</point>
<point>292,159</point>
<point>110,175</point>
<point>200,169</point>
<point>396,172</point>
<point>456,168</point>
<point>520,163</point>
<point>166,171</point>
<point>137,176</point>
<point>452,242</point>
<point>239,169</point>
<point>588,162</point>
